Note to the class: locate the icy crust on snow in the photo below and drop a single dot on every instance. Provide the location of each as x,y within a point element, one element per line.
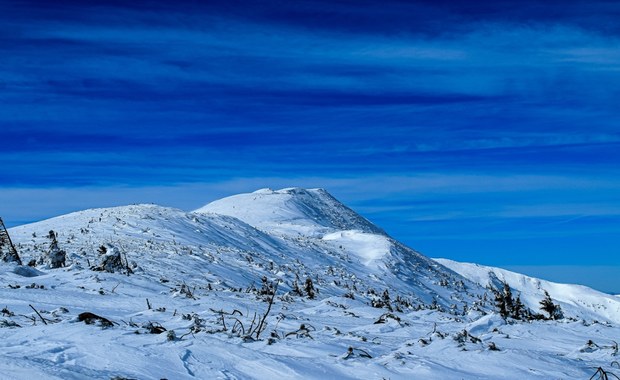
<point>576,300</point>
<point>382,310</point>
<point>291,211</point>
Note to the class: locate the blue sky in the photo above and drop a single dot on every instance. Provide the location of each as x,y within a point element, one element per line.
<point>480,131</point>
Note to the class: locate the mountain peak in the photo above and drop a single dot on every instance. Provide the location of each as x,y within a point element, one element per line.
<point>291,191</point>
<point>291,210</point>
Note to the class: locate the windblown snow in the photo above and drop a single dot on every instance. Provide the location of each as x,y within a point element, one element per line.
<point>275,284</point>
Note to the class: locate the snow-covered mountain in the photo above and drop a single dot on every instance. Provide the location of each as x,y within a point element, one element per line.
<point>576,300</point>
<point>290,234</point>
<point>287,283</point>
<point>329,233</point>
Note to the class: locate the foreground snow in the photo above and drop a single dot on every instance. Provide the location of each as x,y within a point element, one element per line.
<point>201,274</point>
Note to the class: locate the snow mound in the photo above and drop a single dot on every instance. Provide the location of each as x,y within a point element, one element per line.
<point>485,324</point>
<point>367,247</point>
<point>25,271</point>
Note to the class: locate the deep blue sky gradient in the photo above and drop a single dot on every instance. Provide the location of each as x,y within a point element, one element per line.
<point>478,131</point>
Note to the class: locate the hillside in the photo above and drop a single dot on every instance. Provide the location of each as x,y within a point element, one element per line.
<point>576,300</point>
<point>276,283</point>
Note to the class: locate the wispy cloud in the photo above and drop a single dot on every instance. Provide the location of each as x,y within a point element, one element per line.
<point>426,197</point>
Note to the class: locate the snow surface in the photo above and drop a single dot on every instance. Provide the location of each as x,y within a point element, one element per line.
<point>200,269</point>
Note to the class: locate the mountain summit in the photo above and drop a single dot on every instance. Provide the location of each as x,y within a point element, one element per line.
<point>292,210</point>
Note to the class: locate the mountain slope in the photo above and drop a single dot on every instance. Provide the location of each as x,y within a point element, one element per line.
<point>576,300</point>
<point>309,241</point>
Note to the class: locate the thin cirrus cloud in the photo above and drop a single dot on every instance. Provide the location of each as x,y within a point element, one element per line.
<point>291,86</point>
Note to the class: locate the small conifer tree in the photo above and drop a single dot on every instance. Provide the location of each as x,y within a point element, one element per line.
<point>309,288</point>
<point>386,300</point>
<point>518,309</point>
<point>500,303</point>
<point>55,257</point>
<point>554,310</point>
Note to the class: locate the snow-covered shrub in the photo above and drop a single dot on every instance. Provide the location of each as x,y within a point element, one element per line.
<point>111,260</point>
<point>54,257</point>
<point>309,288</point>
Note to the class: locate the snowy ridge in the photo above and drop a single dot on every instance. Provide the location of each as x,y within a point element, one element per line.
<point>380,309</point>
<point>577,300</point>
<point>151,233</point>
